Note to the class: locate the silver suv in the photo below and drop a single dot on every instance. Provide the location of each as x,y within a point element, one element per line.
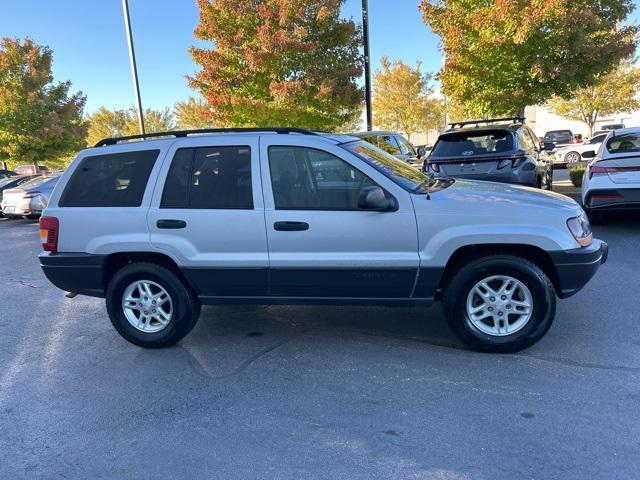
<point>160,226</point>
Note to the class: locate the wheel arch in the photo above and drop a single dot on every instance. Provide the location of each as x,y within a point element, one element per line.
<point>467,253</point>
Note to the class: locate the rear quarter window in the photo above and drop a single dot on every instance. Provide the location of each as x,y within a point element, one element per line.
<point>112,180</point>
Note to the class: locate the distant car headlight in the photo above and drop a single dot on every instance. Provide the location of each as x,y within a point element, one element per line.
<point>580,228</point>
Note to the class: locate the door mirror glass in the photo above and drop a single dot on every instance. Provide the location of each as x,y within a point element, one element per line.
<point>421,151</point>
<point>373,198</point>
<point>589,154</point>
<point>548,146</point>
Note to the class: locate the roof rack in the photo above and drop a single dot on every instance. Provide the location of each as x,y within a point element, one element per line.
<point>185,133</point>
<point>489,120</point>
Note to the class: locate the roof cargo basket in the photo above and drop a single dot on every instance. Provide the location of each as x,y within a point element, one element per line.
<point>186,133</point>
<point>487,121</point>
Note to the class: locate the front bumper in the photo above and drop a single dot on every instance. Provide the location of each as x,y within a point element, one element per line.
<point>577,266</point>
<point>81,273</point>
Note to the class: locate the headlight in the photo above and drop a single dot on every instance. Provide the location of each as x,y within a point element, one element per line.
<point>580,229</point>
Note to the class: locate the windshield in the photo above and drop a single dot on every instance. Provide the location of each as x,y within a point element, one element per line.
<point>463,144</point>
<point>407,177</point>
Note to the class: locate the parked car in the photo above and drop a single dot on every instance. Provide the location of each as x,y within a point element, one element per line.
<point>11,182</point>
<point>612,178</point>
<point>613,126</point>
<point>31,170</point>
<point>573,154</point>
<point>160,226</point>
<point>560,138</point>
<point>6,174</point>
<point>499,150</point>
<point>28,199</point>
<point>393,143</point>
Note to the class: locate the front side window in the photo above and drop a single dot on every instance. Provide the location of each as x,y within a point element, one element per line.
<point>309,179</point>
<point>628,143</point>
<point>597,139</point>
<point>388,144</point>
<point>209,178</point>
<point>405,147</point>
<point>112,180</point>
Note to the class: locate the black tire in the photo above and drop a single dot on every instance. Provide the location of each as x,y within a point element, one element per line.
<point>550,179</point>
<point>595,217</point>
<point>186,306</point>
<point>522,269</point>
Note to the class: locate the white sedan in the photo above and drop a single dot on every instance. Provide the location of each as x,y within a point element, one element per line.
<point>573,153</point>
<point>612,178</point>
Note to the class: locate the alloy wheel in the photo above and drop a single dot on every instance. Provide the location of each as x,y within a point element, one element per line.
<point>147,306</point>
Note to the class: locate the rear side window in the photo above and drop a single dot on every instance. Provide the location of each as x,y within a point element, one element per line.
<point>465,144</point>
<point>209,178</point>
<point>113,180</point>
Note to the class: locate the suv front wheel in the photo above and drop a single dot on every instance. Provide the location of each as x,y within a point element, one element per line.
<point>150,306</point>
<point>500,303</point>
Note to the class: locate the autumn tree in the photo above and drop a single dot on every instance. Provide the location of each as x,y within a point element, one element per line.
<point>403,100</point>
<point>501,56</point>
<point>192,114</point>
<point>614,92</point>
<point>277,62</point>
<point>39,119</point>
<point>105,123</point>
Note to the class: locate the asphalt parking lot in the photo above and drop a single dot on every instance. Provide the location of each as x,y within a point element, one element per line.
<point>298,392</point>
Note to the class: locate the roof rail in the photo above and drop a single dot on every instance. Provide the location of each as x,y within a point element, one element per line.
<point>489,120</point>
<point>185,133</point>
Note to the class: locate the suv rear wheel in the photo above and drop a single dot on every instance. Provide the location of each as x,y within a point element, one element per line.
<point>500,303</point>
<point>150,306</point>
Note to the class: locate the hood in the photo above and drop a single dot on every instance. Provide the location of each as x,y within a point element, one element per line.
<point>492,198</point>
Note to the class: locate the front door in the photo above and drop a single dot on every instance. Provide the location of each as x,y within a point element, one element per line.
<point>207,214</point>
<point>320,243</point>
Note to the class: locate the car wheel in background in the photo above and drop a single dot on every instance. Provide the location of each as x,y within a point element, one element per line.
<point>500,303</point>
<point>572,157</point>
<point>150,306</point>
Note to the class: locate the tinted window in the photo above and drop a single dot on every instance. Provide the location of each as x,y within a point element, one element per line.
<point>558,136</point>
<point>597,139</point>
<point>114,180</point>
<point>209,178</point>
<point>310,179</point>
<point>629,142</point>
<point>464,144</point>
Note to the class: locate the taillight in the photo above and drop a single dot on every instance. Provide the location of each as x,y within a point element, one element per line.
<point>594,170</point>
<point>435,167</point>
<point>49,229</point>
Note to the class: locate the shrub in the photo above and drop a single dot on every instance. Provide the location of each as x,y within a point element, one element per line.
<point>575,173</point>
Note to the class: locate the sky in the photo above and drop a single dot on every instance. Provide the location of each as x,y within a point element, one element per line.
<point>89,45</point>
<point>90,48</point>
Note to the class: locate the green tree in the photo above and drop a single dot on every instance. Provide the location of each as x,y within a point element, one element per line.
<point>614,92</point>
<point>192,114</point>
<point>403,100</point>
<point>39,120</point>
<point>278,62</point>
<point>501,56</point>
<point>104,123</point>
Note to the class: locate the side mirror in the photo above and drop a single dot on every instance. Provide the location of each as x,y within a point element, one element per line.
<point>421,151</point>
<point>548,146</point>
<point>373,198</point>
<point>589,154</point>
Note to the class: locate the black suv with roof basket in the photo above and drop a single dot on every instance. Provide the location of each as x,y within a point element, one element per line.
<point>499,150</point>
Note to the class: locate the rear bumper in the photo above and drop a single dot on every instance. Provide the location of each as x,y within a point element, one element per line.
<point>577,266</point>
<point>81,273</point>
<point>613,199</point>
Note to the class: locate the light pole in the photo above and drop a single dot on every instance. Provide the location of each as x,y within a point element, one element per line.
<point>134,68</point>
<point>367,67</point>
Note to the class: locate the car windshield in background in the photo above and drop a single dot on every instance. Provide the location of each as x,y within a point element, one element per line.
<point>628,143</point>
<point>466,144</point>
<point>558,136</point>
<point>407,177</point>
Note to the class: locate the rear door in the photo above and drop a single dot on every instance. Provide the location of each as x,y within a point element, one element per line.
<point>320,243</point>
<point>207,213</point>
